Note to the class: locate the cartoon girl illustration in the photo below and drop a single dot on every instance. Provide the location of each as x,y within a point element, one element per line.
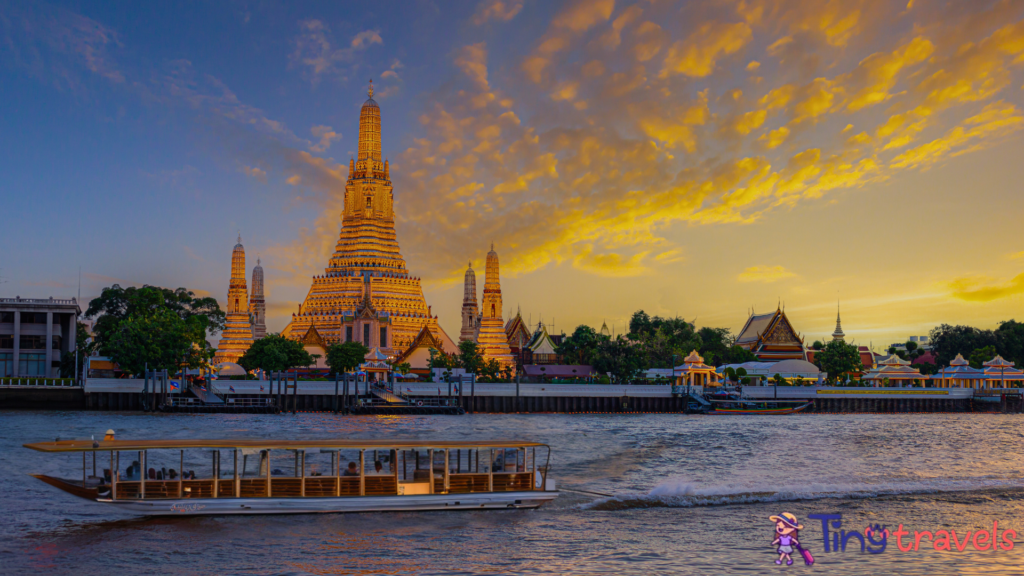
<point>787,532</point>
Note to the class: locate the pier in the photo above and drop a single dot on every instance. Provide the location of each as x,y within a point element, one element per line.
<point>255,396</point>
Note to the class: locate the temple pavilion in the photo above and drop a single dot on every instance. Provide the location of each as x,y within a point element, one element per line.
<point>694,372</point>
<point>771,337</point>
<point>366,294</point>
<point>895,371</point>
<point>1000,373</point>
<point>959,374</point>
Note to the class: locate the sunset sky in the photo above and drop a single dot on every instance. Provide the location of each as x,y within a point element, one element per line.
<point>692,158</point>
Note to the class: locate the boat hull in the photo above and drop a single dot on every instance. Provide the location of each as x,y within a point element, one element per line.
<point>243,506</point>
<point>742,412</point>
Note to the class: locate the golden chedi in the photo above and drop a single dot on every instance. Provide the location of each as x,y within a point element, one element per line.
<point>366,293</point>
<point>491,337</point>
<point>237,335</point>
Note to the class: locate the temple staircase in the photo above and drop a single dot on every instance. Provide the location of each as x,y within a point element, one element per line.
<point>387,395</point>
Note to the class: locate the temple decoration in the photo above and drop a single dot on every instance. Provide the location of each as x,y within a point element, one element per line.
<point>694,372</point>
<point>417,355</point>
<point>366,293</point>
<point>492,341</point>
<point>470,311</point>
<point>257,305</point>
<point>237,335</point>
<point>771,337</point>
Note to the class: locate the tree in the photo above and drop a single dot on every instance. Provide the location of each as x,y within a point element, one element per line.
<point>579,347</point>
<point>469,357</point>
<point>1010,341</point>
<point>346,357</point>
<point>85,347</point>
<point>739,355</point>
<point>948,341</point>
<point>489,369</point>
<point>620,357</point>
<point>838,358</point>
<point>160,340</point>
<point>441,359</point>
<point>115,304</point>
<point>981,355</point>
<point>715,345</point>
<point>817,345</point>
<point>275,353</point>
<point>402,368</point>
<point>741,375</point>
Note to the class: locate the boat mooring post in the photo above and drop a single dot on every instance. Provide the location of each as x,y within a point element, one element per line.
<point>472,390</point>
<point>295,390</point>
<point>335,393</point>
<point>145,391</point>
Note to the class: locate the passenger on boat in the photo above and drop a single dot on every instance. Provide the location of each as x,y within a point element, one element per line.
<point>152,474</point>
<point>377,467</point>
<point>172,474</point>
<point>106,476</point>
<point>352,470</point>
<point>109,435</point>
<point>134,471</point>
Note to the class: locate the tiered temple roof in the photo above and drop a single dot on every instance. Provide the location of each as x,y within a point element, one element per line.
<point>367,252</point>
<point>492,341</point>
<point>771,337</point>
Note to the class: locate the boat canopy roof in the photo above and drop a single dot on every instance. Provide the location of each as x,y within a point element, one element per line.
<point>399,444</point>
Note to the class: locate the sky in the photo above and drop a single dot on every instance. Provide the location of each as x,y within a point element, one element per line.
<point>694,158</point>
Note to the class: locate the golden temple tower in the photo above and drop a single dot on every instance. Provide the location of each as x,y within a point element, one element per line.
<point>470,311</point>
<point>257,304</point>
<point>237,335</point>
<point>492,339</point>
<point>366,293</point>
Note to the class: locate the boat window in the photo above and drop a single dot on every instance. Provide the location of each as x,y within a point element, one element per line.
<point>252,463</point>
<point>321,462</point>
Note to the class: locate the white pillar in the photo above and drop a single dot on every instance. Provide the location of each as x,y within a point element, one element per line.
<point>17,343</point>
<point>47,370</point>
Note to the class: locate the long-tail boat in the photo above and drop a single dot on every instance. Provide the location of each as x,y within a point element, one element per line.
<point>212,477</point>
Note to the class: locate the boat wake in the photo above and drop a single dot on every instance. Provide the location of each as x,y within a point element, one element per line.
<point>682,494</point>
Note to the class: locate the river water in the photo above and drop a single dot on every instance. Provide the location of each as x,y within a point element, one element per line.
<point>690,495</point>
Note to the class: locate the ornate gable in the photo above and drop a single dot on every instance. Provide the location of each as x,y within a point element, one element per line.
<point>425,339</point>
<point>313,338</point>
<point>782,333</point>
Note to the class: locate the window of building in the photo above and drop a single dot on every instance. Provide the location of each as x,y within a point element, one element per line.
<point>7,341</point>
<point>55,344</point>
<point>348,333</point>
<point>369,202</point>
<point>6,364</point>
<point>366,335</point>
<point>6,317</point>
<point>33,317</point>
<point>33,343</point>
<point>32,365</point>
<point>384,336</point>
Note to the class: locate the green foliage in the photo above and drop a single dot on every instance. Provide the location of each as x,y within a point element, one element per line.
<point>838,358</point>
<point>948,341</point>
<point>739,355</point>
<point>154,326</point>
<point>910,345</point>
<point>620,357</point>
<point>470,359</point>
<point>160,340</point>
<point>489,369</point>
<point>346,357</point>
<point>441,359</point>
<point>817,345</point>
<point>402,368</point>
<point>981,355</point>
<point>1010,338</point>
<point>275,353</point>
<point>580,346</point>
<point>68,369</point>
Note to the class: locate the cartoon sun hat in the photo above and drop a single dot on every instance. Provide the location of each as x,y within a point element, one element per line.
<point>110,432</point>
<point>787,519</point>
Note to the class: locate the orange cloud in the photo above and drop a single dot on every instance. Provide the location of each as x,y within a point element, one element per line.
<point>972,289</point>
<point>766,274</point>
<point>697,55</point>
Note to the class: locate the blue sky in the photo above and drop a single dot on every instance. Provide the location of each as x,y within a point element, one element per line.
<point>694,158</point>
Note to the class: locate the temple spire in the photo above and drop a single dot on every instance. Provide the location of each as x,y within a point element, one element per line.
<point>838,334</point>
<point>370,91</point>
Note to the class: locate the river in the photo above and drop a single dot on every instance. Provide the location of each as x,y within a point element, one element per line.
<point>689,495</point>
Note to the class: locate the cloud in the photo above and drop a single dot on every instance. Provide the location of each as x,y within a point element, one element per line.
<point>697,55</point>
<point>392,72</point>
<point>472,60</point>
<point>1015,256</point>
<point>766,274</point>
<point>294,180</point>
<point>255,173</point>
<point>575,19</point>
<point>974,289</point>
<point>326,134</point>
<point>501,10</point>
<point>316,51</point>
